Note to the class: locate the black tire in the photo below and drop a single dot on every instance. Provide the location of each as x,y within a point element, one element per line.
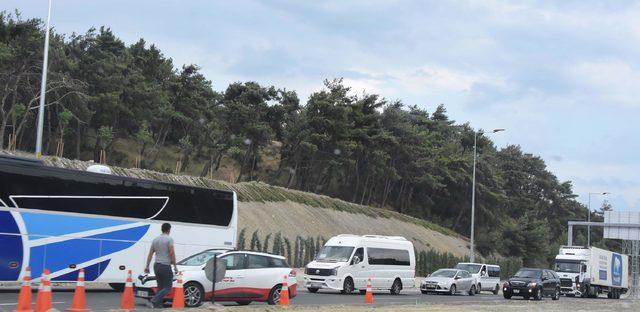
<point>610,295</point>
<point>478,288</point>
<point>424,292</point>
<point>526,297</point>
<point>452,290</point>
<point>274,295</point>
<point>556,295</point>
<point>538,295</point>
<point>193,294</point>
<point>243,303</point>
<point>472,291</point>
<point>506,295</point>
<point>362,291</point>
<point>119,287</point>
<point>347,286</point>
<point>312,290</point>
<point>396,287</point>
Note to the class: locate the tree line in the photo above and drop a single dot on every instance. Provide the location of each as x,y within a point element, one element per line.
<point>362,148</point>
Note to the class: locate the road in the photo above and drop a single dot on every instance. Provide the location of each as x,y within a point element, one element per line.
<point>104,300</point>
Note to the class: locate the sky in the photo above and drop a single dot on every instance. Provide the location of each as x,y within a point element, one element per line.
<point>562,77</point>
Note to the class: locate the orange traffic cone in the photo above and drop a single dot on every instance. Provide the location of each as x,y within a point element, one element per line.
<point>43,299</point>
<point>368,297</point>
<point>24,299</point>
<point>79,301</point>
<point>127,302</point>
<point>284,293</point>
<point>178,294</point>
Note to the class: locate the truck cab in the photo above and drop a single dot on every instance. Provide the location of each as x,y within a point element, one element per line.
<point>571,265</point>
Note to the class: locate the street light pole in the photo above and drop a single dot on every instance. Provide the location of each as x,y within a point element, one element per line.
<point>472,256</point>
<point>589,216</point>
<point>43,86</point>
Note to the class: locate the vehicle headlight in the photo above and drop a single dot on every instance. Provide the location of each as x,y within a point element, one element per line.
<point>533,285</point>
<point>334,272</point>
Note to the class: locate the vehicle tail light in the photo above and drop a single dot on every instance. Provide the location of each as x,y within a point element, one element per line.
<point>292,273</point>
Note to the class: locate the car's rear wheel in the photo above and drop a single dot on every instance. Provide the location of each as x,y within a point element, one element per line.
<point>193,294</point>
<point>243,303</point>
<point>556,294</point>
<point>452,290</point>
<point>472,291</point>
<point>496,290</point>
<point>396,287</point>
<point>274,295</point>
<point>312,290</point>
<point>347,287</point>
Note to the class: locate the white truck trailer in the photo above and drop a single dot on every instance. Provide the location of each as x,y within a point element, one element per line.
<point>590,271</point>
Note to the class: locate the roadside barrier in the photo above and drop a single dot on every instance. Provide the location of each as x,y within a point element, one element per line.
<point>79,303</point>
<point>44,298</point>
<point>368,297</point>
<point>127,302</point>
<point>24,299</point>
<point>284,293</point>
<point>178,294</point>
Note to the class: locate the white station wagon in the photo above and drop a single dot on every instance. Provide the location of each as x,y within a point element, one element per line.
<point>250,276</point>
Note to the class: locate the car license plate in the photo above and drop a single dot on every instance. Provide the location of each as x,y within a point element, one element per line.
<point>516,291</point>
<point>316,285</point>
<point>142,293</point>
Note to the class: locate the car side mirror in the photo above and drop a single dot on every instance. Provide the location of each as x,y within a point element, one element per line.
<point>428,274</point>
<point>355,260</point>
<point>544,278</point>
<point>457,277</point>
<point>584,268</point>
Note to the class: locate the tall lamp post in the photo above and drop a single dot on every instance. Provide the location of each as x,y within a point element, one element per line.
<point>589,216</point>
<point>43,86</point>
<point>472,256</point>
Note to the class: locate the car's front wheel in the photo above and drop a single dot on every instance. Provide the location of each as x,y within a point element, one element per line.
<point>479,288</point>
<point>312,290</point>
<point>347,287</point>
<point>538,295</point>
<point>452,290</point>
<point>193,294</point>
<point>274,295</point>
<point>506,295</point>
<point>496,290</point>
<point>556,294</point>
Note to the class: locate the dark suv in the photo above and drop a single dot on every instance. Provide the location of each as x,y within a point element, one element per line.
<point>534,283</point>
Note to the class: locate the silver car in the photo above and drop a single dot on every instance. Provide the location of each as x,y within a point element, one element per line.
<point>449,281</point>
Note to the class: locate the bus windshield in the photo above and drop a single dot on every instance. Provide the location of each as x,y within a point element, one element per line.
<point>199,258</point>
<point>334,253</point>
<point>567,267</point>
<point>471,268</point>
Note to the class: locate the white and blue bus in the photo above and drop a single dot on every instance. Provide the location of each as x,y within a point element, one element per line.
<point>64,220</point>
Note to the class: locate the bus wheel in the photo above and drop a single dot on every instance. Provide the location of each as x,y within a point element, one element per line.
<point>396,287</point>
<point>119,287</point>
<point>347,287</point>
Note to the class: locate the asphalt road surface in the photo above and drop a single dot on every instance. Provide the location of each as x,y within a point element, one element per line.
<point>103,300</point>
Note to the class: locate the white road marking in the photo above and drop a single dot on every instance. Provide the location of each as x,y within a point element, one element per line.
<point>15,303</point>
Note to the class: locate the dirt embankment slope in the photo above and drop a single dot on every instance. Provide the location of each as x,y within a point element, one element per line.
<point>271,209</point>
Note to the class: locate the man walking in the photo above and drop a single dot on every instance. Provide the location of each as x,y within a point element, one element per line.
<point>162,246</point>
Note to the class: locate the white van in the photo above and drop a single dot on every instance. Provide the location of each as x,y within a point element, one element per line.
<point>487,275</point>
<point>346,262</point>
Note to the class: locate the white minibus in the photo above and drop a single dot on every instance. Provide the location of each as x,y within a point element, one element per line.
<point>346,262</point>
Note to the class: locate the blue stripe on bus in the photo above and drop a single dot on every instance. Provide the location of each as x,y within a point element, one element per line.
<point>58,256</point>
<point>41,224</point>
<point>91,272</point>
<point>11,250</point>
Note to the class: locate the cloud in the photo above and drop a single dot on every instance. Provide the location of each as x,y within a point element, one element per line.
<point>612,81</point>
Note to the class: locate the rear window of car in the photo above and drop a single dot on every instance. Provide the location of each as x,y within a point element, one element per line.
<point>278,263</point>
<point>257,262</point>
